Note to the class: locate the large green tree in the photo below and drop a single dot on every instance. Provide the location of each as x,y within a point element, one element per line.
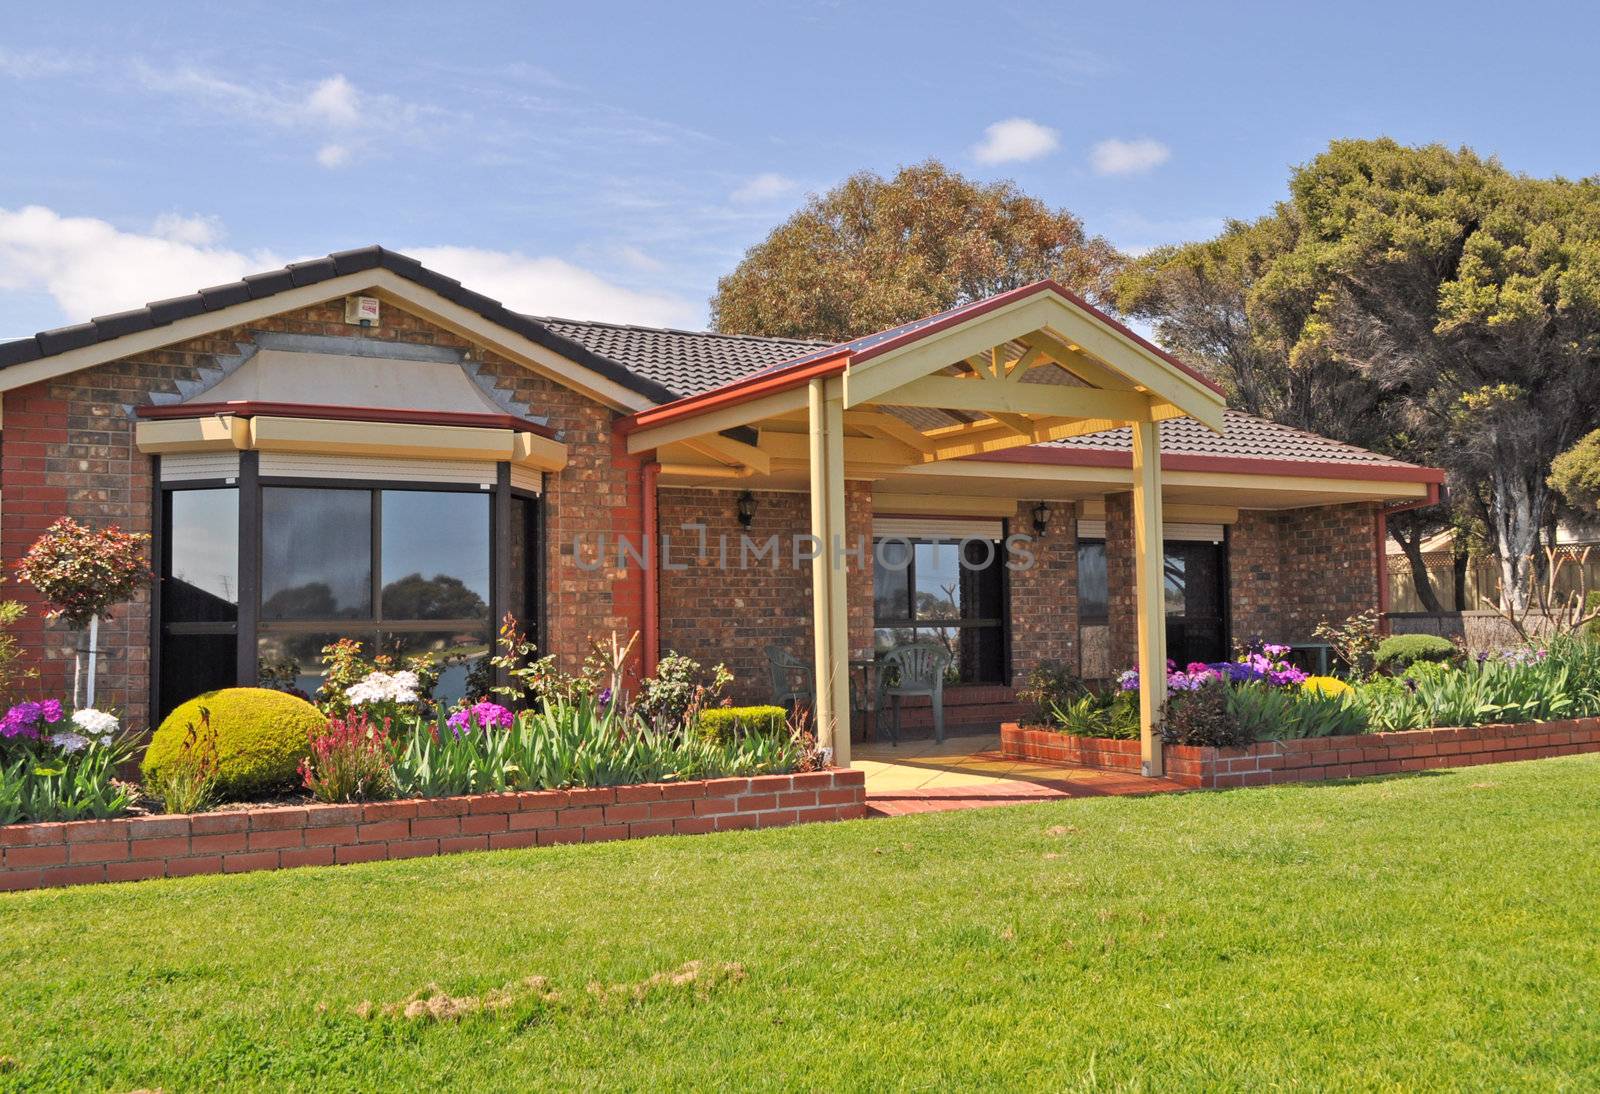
<point>1421,301</point>
<point>874,253</point>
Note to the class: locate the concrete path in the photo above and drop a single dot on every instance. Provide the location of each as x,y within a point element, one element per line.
<point>920,776</point>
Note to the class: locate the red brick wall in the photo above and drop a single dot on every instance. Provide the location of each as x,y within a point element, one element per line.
<point>1319,758</point>
<point>715,610</point>
<point>1044,598</point>
<point>1253,575</point>
<point>1122,601</point>
<point>139,848</point>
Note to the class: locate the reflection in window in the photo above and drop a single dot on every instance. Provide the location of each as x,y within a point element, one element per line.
<point>316,553</point>
<point>435,552</point>
<point>1093,589</point>
<point>932,592</point>
<point>201,583</point>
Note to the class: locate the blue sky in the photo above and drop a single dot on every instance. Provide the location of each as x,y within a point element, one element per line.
<point>612,160</point>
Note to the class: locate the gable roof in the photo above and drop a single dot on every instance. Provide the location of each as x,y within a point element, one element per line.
<point>665,366</point>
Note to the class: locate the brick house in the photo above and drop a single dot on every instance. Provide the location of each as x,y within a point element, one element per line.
<point>359,446</point>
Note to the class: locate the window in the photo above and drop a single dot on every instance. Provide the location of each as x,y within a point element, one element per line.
<point>403,571</point>
<point>1193,575</point>
<point>200,593</point>
<point>947,592</point>
<point>1093,589</point>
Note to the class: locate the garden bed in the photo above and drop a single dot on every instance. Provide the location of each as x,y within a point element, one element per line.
<point>236,841</point>
<point>1314,759</point>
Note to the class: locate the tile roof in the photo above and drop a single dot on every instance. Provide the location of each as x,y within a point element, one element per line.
<point>664,365</point>
<point>1244,436</point>
<point>687,362</point>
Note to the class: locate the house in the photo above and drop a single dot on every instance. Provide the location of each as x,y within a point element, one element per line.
<point>360,446</point>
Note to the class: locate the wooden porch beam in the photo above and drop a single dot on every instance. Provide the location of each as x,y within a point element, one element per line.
<point>988,396</point>
<point>830,622</point>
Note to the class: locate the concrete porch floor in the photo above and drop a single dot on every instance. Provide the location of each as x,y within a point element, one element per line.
<point>968,772</point>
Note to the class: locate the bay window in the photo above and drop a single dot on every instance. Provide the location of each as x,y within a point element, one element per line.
<point>402,568</point>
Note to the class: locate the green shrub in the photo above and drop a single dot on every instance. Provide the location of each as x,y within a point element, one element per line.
<point>1052,686</point>
<point>261,736</point>
<point>728,723</point>
<point>1399,651</point>
<point>1204,717</point>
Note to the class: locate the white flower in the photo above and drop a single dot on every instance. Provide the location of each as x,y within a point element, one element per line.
<point>96,723</point>
<point>384,687</point>
<point>70,742</point>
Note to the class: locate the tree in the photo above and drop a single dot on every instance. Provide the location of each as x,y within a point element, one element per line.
<point>871,254</point>
<point>1461,301</point>
<point>84,574</point>
<point>1575,474</point>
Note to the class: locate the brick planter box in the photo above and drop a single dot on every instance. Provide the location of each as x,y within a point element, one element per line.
<point>1318,758</point>
<point>135,848</point>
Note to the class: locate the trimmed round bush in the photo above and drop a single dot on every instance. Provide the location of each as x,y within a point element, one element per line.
<point>261,736</point>
<point>1399,651</point>
<point>721,723</point>
<point>1329,686</point>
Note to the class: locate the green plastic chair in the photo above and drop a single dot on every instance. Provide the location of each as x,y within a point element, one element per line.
<point>792,685</point>
<point>917,669</point>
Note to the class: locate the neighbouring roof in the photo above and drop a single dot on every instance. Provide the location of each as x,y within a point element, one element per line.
<point>666,365</point>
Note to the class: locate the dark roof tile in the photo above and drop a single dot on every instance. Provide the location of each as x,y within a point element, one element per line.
<point>1244,436</point>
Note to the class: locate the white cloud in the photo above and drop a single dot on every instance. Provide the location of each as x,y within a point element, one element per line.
<point>543,285</point>
<point>333,156</point>
<point>763,188</point>
<point>90,267</point>
<point>342,118</point>
<point>36,64</point>
<point>1015,139</point>
<point>1119,157</point>
<point>335,102</point>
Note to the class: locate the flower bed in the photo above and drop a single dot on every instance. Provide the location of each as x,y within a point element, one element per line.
<point>1318,758</point>
<point>177,845</point>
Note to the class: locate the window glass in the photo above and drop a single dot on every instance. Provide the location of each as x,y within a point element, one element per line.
<point>522,541</point>
<point>1093,590</point>
<point>435,555</point>
<point>456,652</point>
<point>316,553</point>
<point>202,536</point>
<point>891,579</point>
<point>193,664</point>
<point>277,650</point>
<point>937,575</point>
<point>1174,568</point>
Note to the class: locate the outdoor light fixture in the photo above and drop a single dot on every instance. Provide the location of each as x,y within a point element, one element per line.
<point>1041,518</point>
<point>747,509</point>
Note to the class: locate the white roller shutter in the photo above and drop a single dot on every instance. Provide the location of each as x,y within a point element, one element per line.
<point>937,528</point>
<point>1177,532</point>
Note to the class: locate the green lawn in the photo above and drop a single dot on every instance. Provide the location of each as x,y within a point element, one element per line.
<point>1424,931</point>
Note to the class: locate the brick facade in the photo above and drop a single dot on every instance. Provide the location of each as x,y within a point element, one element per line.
<point>69,450</point>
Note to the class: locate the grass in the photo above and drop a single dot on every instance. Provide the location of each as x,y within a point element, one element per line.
<point>1429,931</point>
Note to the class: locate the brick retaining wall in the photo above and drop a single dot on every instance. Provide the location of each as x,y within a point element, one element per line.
<point>1317,758</point>
<point>136,848</point>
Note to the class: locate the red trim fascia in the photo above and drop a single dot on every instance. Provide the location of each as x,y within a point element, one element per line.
<point>251,409</point>
<point>1236,465</point>
<point>740,391</point>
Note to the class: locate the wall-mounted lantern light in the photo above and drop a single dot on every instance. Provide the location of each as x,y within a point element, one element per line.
<point>747,509</point>
<point>1041,518</point>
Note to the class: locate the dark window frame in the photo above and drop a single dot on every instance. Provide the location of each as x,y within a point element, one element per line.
<point>249,627</point>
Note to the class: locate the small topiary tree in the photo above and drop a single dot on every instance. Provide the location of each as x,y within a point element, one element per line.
<point>1399,651</point>
<point>84,574</point>
<point>260,738</point>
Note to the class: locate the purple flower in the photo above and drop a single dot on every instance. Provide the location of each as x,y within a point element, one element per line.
<point>28,719</point>
<point>604,698</point>
<point>483,715</point>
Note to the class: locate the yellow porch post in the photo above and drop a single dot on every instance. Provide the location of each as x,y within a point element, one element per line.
<point>1149,587</point>
<point>828,600</point>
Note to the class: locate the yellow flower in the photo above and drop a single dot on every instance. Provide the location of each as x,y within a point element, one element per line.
<point>1325,685</point>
